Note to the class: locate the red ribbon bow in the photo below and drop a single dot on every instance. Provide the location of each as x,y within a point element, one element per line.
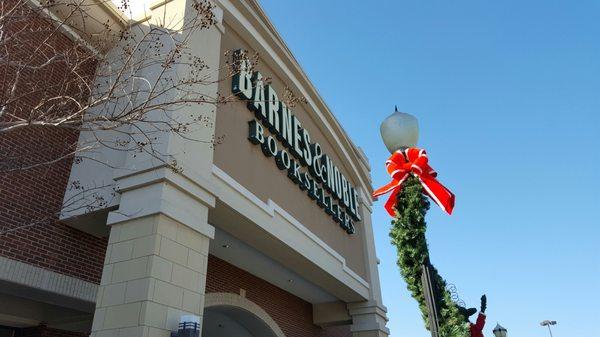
<point>412,160</point>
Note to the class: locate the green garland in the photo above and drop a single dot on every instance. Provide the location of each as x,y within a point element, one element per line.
<point>408,235</point>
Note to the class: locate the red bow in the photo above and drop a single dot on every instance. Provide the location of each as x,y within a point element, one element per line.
<point>412,160</point>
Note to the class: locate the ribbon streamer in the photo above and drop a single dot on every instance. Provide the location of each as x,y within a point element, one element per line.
<point>412,160</point>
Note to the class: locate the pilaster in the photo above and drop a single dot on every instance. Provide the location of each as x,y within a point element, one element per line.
<point>154,272</point>
<point>155,266</point>
<point>369,318</point>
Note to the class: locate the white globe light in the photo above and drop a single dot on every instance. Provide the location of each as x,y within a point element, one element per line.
<point>399,131</point>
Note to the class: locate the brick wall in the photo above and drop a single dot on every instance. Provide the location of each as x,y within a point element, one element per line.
<point>292,314</point>
<point>30,198</point>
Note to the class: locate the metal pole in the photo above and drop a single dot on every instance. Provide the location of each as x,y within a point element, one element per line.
<point>550,330</point>
<point>431,297</point>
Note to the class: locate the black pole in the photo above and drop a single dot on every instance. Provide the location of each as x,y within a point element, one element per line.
<point>430,298</point>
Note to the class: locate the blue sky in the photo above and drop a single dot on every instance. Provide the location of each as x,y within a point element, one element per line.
<point>507,94</point>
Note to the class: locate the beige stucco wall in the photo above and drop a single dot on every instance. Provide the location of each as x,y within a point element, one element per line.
<point>245,163</point>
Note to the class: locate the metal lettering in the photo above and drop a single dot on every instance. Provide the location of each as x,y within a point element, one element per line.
<point>241,83</point>
<point>285,130</point>
<point>296,127</point>
<point>315,166</point>
<point>306,148</point>
<point>258,97</point>
<point>283,160</point>
<point>272,109</point>
<point>294,172</point>
<point>269,147</point>
<point>338,183</point>
<point>345,195</point>
<point>255,133</point>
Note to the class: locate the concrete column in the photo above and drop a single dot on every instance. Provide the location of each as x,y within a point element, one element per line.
<point>369,318</point>
<point>154,272</point>
<point>155,267</point>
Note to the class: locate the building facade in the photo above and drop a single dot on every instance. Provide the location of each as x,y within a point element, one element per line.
<point>264,231</point>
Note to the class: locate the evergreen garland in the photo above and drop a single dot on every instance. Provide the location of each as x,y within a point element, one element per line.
<point>408,235</point>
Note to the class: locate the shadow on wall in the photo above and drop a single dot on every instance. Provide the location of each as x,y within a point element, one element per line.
<point>235,322</point>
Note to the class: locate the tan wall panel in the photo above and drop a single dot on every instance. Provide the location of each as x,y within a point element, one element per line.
<point>246,163</point>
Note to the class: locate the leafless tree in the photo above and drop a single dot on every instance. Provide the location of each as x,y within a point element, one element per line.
<point>128,82</point>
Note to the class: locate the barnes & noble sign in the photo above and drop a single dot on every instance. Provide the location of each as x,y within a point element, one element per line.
<point>281,135</point>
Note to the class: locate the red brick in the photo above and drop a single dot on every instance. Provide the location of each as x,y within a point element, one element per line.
<point>292,314</point>
<point>31,199</point>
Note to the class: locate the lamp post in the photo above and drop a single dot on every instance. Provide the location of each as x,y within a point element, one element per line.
<point>400,131</point>
<point>413,184</point>
<point>499,331</point>
<point>548,324</point>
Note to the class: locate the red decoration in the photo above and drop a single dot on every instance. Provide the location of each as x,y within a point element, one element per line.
<point>477,328</point>
<point>412,160</point>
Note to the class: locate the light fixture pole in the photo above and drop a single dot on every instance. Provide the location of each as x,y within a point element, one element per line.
<point>400,131</point>
<point>413,183</point>
<point>548,324</point>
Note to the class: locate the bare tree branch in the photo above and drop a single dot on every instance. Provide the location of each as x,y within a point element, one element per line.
<point>135,91</point>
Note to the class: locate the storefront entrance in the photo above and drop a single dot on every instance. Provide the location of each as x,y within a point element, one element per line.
<point>232,315</point>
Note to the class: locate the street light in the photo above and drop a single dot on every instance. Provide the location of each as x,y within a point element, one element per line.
<point>548,324</point>
<point>408,166</point>
<point>499,331</point>
<point>399,131</point>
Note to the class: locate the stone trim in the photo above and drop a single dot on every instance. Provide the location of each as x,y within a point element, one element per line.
<point>66,29</point>
<point>234,300</point>
<point>271,207</point>
<point>368,316</point>
<point>21,273</point>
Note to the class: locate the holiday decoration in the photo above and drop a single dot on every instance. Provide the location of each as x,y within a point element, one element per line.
<point>408,235</point>
<point>412,160</point>
<point>476,330</point>
<point>413,180</point>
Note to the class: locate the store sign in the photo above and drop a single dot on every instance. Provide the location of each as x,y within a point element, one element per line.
<point>280,135</point>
